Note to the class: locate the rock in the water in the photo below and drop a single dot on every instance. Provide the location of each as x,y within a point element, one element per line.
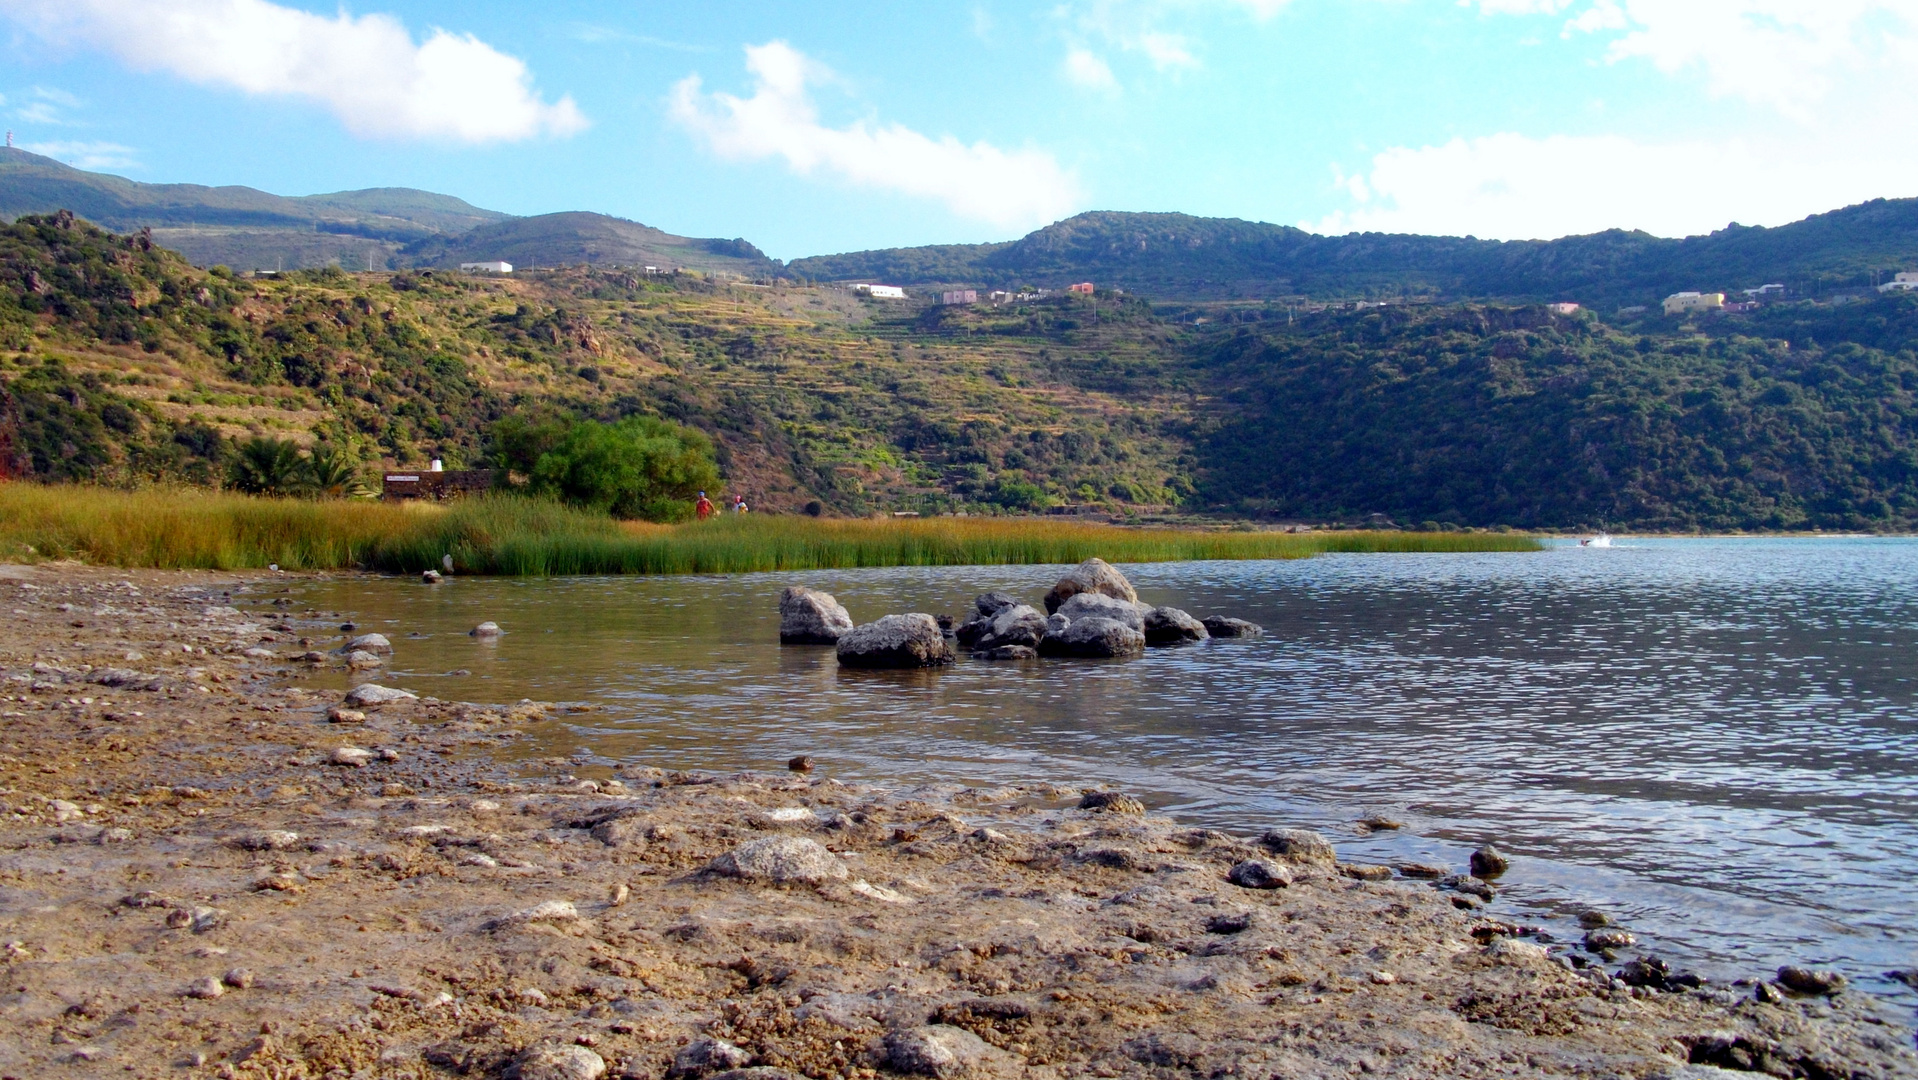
<point>485,629</point>
<point>1300,846</point>
<point>1014,624</point>
<point>937,1050</point>
<point>1008,652</point>
<point>1111,802</point>
<point>801,763</point>
<point>1095,605</point>
<point>373,643</point>
<point>983,609</point>
<point>1170,626</point>
<point>810,617</point>
<point>1259,874</point>
<point>374,694</point>
<point>1223,626</point>
<point>552,1061</point>
<point>360,659</point>
<point>1470,886</point>
<point>702,1056</point>
<point>1592,919</point>
<point>1807,980</point>
<point>896,641</point>
<point>1601,939</point>
<point>1645,971</point>
<point>780,859</point>
<point>1091,576</point>
<point>1365,872</point>
<point>341,715</point>
<point>1093,637</point>
<point>429,577</point>
<point>351,756</point>
<point>1489,861</point>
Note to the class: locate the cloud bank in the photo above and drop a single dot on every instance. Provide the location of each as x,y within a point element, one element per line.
<point>368,70</point>
<point>1826,81</point>
<point>978,181</point>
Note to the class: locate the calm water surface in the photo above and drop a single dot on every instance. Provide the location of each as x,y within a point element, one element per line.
<point>1714,740</point>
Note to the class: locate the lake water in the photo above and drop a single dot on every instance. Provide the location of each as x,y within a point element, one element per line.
<point>1713,740</point>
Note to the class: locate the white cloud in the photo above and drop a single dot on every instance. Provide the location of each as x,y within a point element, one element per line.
<point>1826,86</point>
<point>779,120</point>
<point>87,155</point>
<point>1084,69</point>
<point>368,70</point>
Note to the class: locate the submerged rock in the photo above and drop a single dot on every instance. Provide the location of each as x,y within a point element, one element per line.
<point>984,607</point>
<point>372,643</point>
<point>374,694</point>
<point>1808,980</point>
<point>1007,652</point>
<point>1170,626</point>
<point>810,617</point>
<point>485,630</point>
<point>1112,802</point>
<point>1488,862</point>
<point>1093,637</point>
<point>1223,626</point>
<point>1091,576</point>
<point>896,641</point>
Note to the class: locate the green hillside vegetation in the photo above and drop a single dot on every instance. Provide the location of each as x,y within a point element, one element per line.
<point>1480,414</point>
<point>1180,257</point>
<point>573,239</point>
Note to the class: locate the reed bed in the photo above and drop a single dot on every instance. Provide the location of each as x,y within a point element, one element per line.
<point>516,536</point>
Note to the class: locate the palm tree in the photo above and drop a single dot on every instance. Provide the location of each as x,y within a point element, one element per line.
<point>334,475</point>
<point>266,466</point>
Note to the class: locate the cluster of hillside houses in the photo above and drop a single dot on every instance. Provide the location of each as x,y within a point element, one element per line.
<point>954,297</point>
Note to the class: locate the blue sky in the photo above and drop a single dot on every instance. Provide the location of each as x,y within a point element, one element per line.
<point>829,127</point>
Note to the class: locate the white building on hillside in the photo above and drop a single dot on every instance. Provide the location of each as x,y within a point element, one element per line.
<point>487,267</point>
<point>881,292</point>
<point>952,297</point>
<point>1906,281</point>
<point>1680,302</point>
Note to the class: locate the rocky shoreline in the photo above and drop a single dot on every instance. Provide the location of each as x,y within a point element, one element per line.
<point>207,871</point>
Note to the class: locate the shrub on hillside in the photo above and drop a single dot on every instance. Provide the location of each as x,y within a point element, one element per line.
<point>640,467</point>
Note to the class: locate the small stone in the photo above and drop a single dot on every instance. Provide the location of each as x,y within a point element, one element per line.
<point>1300,846</point>
<point>1489,862</point>
<point>1365,872</point>
<point>936,1050</point>
<point>1380,822</point>
<point>271,840</point>
<point>260,654</point>
<point>239,979</point>
<point>1807,980</point>
<point>340,715</point>
<point>1235,923</point>
<point>352,756</point>
<point>1422,871</point>
<point>1007,652</point>
<point>206,989</point>
<point>780,859</point>
<point>1592,919</point>
<point>1514,949</point>
<point>1220,626</point>
<point>372,643</point>
<point>430,577</point>
<point>618,895</point>
<point>387,753</point>
<point>1767,994</point>
<point>801,763</point>
<point>552,911</point>
<point>557,1062</point>
<point>1384,978</point>
<point>485,630</point>
<point>1259,874</point>
<point>1645,971</point>
<point>207,918</point>
<point>1111,802</point>
<point>702,1056</point>
<point>360,660</point>
<point>620,832</point>
<point>1470,886</point>
<point>374,694</point>
<point>1606,938</point>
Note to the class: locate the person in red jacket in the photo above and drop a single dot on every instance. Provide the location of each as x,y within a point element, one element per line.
<point>703,509</point>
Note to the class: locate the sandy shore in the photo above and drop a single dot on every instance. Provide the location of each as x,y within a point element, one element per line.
<point>192,885</point>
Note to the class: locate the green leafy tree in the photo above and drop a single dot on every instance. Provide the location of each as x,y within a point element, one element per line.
<point>332,473</point>
<point>267,466</point>
<point>520,440</point>
<point>640,467</point>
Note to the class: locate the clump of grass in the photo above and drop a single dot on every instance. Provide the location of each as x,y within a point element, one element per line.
<point>518,536</point>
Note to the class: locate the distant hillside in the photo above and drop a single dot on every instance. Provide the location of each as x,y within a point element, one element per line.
<point>575,238</point>
<point>1176,256</point>
<point>376,228</point>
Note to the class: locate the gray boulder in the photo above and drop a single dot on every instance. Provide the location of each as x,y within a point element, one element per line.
<point>702,1056</point>
<point>372,643</point>
<point>1100,606</point>
<point>554,1062</point>
<point>942,1051</point>
<point>1300,846</point>
<point>896,641</point>
<point>1016,624</point>
<point>1221,626</point>
<point>811,617</point>
<point>780,859</point>
<point>374,694</point>
<point>984,607</point>
<point>1007,652</point>
<point>1091,576</point>
<point>1170,626</point>
<point>1093,637</point>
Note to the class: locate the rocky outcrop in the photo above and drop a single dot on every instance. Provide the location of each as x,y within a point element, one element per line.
<point>984,608</point>
<point>1015,624</point>
<point>1093,637</point>
<point>1170,626</point>
<point>1091,576</point>
<point>1222,626</point>
<point>896,641</point>
<point>810,617</point>
<point>1098,606</point>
